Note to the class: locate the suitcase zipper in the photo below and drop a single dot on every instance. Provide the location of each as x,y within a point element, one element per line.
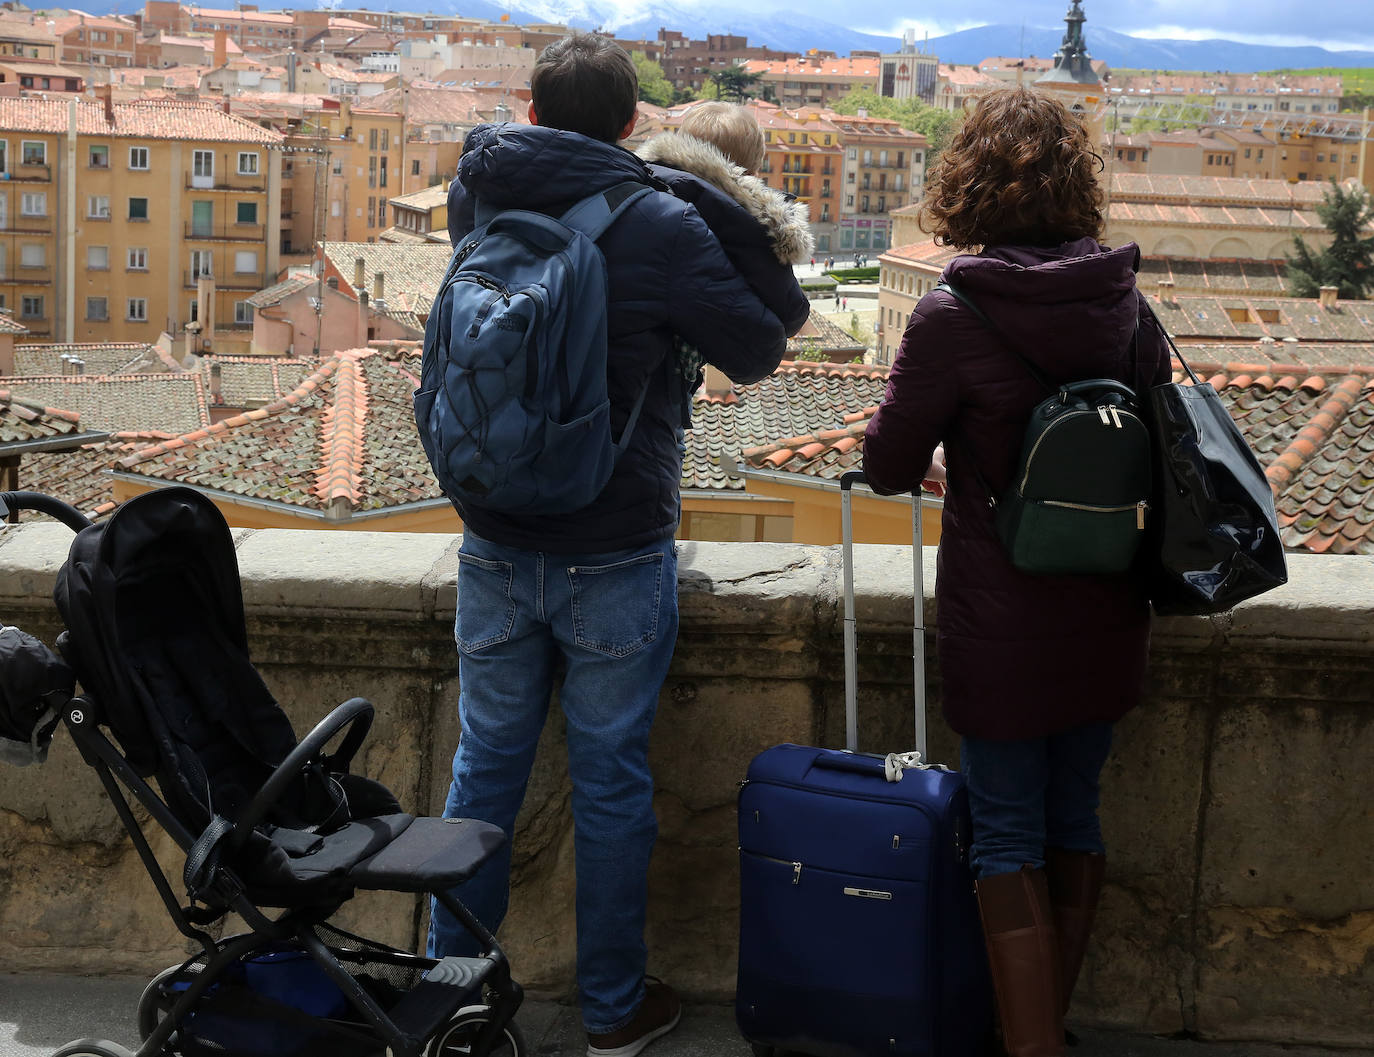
<point>796,866</point>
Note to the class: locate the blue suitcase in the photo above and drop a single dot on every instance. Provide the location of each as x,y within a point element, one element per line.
<point>859,932</point>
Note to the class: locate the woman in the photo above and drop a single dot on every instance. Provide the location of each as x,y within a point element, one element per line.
<point>1035,668</point>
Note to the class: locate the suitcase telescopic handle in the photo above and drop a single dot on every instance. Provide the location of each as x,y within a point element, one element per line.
<point>918,632</point>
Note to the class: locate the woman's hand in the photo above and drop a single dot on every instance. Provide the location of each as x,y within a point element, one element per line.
<point>934,482</point>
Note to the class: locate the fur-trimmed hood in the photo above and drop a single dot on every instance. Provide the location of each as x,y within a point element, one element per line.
<point>785,219</point>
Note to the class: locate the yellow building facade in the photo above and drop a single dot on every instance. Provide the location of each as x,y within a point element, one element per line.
<point>119,221</point>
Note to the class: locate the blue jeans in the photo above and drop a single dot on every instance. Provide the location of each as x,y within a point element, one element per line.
<point>612,620</point>
<point>1026,796</point>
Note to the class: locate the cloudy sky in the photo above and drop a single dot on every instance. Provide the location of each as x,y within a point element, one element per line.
<point>1336,24</point>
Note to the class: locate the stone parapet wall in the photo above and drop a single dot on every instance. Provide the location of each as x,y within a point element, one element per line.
<point>1238,904</point>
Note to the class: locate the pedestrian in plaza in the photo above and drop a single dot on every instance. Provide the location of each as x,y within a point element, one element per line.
<point>1035,668</point>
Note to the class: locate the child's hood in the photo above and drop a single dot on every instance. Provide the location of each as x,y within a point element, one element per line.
<point>785,219</point>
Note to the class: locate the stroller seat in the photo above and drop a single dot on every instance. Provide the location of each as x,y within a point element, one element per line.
<point>156,638</point>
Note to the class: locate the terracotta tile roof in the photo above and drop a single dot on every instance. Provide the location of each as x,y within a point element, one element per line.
<point>825,454</point>
<point>81,476</point>
<point>927,253</point>
<point>813,69</point>
<point>99,359</point>
<point>279,292</point>
<point>426,198</point>
<point>797,399</point>
<point>179,119</point>
<point>251,381</point>
<point>169,402</point>
<point>1215,190</point>
<point>22,421</point>
<point>343,441</point>
<point>1193,318</point>
<point>819,334</point>
<point>9,326</point>
<point>1261,278</point>
<point>412,273</point>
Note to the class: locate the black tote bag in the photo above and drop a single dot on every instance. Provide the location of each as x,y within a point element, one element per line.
<point>1216,530</point>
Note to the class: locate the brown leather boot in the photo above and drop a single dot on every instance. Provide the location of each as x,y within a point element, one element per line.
<point>1024,957</point>
<point>1075,883</point>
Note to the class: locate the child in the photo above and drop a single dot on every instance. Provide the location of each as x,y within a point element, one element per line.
<point>711,163</point>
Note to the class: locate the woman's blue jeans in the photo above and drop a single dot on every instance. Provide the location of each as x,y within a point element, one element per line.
<point>612,620</point>
<point>1026,796</point>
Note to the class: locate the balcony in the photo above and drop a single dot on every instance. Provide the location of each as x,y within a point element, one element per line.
<point>18,275</point>
<point>1268,936</point>
<point>245,183</point>
<point>25,173</point>
<point>225,232</point>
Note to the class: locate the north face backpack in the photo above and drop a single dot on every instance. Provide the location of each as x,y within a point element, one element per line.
<point>512,408</point>
<point>1079,500</point>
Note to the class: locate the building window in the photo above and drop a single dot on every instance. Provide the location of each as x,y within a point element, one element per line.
<point>137,310</point>
<point>381,211</point>
<point>98,258</point>
<point>31,306</point>
<point>98,207</point>
<point>99,157</point>
<point>386,139</point>
<point>372,172</point>
<point>248,163</point>
<point>372,211</point>
<point>243,312</point>
<point>372,139</point>
<point>849,201</point>
<point>381,182</point>
<point>138,259</point>
<point>245,262</point>
<point>415,168</point>
<point>33,255</point>
<point>246,213</point>
<point>202,264</point>
<point>97,309</point>
<point>138,209</point>
<point>138,158</point>
<point>34,204</point>
<point>33,152</point>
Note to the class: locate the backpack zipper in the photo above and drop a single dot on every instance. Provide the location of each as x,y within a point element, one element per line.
<point>1021,488</point>
<point>1140,508</point>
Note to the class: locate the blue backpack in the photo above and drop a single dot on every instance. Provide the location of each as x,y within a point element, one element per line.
<point>512,408</point>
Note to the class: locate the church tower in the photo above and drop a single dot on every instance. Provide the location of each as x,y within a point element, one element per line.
<point>1075,82</point>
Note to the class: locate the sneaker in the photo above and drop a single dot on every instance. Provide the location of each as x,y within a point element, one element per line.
<point>657,1015</point>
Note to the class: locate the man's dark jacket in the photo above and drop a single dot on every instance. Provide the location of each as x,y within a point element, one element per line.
<point>666,274</point>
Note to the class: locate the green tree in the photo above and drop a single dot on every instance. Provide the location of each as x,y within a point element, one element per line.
<point>1348,263</point>
<point>653,86</point>
<point>734,83</point>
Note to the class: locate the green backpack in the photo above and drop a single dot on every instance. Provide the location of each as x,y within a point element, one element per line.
<point>1080,497</point>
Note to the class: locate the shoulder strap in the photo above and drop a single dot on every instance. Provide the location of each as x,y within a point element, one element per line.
<point>967,302</point>
<point>595,213</point>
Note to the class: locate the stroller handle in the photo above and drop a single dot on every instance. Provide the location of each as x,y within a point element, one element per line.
<point>44,504</point>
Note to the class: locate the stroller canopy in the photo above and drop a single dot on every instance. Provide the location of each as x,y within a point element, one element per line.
<point>155,630</point>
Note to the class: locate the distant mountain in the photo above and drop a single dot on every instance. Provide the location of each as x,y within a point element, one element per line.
<point>1124,52</point>
<point>787,31</point>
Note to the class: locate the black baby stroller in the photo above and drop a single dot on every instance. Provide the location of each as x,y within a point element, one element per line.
<point>156,639</point>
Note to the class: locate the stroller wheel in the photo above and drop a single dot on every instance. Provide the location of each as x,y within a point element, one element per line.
<point>93,1048</point>
<point>153,1004</point>
<point>458,1037</point>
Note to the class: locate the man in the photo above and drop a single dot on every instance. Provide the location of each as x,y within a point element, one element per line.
<point>594,591</point>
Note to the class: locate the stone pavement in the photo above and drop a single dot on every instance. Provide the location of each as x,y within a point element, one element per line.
<point>39,1013</point>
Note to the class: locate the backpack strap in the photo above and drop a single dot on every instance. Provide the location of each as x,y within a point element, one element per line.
<point>967,302</point>
<point>595,213</point>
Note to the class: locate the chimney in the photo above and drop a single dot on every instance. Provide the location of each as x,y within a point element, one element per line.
<point>216,384</point>
<point>717,384</point>
<point>221,58</point>
<point>105,93</point>
<point>1326,296</point>
<point>379,286</point>
<point>361,338</point>
<point>1166,291</point>
<point>359,274</point>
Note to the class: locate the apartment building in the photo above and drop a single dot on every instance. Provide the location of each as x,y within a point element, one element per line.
<point>1240,93</point>
<point>119,221</point>
<point>98,41</point>
<point>27,37</point>
<point>883,169</point>
<point>814,80</point>
<point>802,157</point>
<point>689,63</point>
<point>910,73</point>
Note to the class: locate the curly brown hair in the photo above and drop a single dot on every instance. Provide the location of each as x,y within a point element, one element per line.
<point>1019,170</point>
